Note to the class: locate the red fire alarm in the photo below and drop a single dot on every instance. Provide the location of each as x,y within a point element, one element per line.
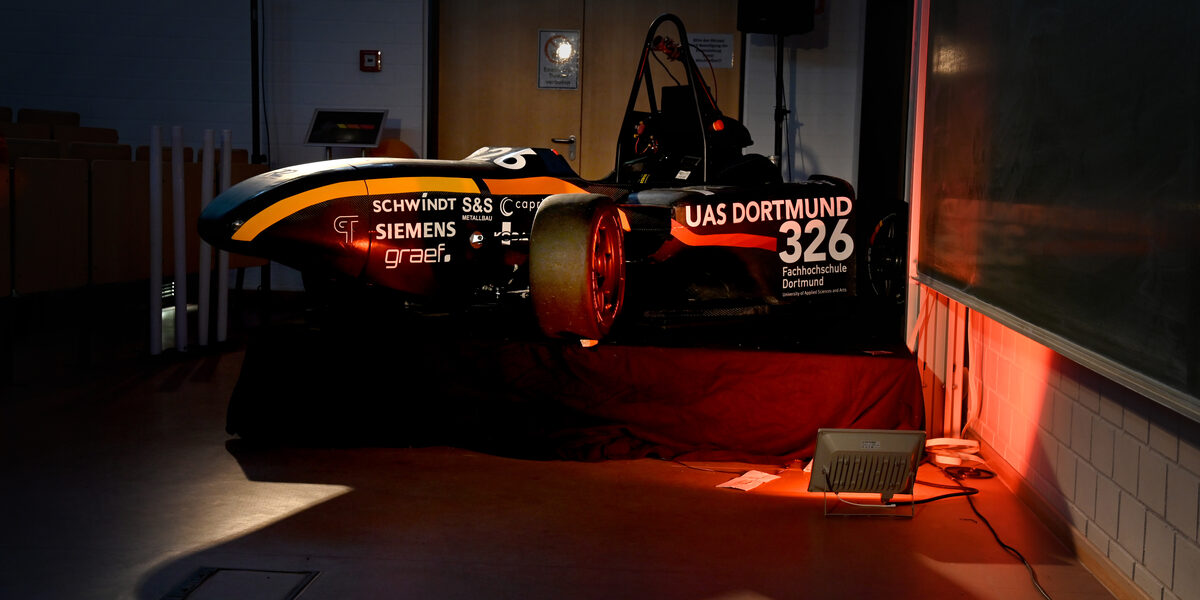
<point>370,60</point>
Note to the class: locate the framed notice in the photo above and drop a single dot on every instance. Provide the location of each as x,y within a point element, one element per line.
<point>558,60</point>
<point>714,49</point>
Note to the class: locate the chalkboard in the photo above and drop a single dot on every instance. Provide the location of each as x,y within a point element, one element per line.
<point>1059,189</point>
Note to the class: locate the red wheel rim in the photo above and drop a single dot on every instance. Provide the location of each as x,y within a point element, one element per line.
<point>608,270</point>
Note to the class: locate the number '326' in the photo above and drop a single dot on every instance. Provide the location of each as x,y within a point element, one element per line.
<point>839,247</point>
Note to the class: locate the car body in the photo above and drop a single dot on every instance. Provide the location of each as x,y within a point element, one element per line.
<point>685,218</point>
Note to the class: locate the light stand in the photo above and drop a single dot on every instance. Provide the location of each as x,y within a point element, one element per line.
<point>781,111</point>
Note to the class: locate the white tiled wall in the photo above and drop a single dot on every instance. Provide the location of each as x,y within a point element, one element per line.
<point>1122,469</point>
<point>312,62</point>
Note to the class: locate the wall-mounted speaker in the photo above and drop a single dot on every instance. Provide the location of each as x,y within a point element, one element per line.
<point>781,17</point>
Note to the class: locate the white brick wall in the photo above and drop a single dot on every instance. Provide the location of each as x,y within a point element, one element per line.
<point>1122,469</point>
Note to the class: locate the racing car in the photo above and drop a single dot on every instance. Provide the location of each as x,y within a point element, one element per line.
<point>685,217</point>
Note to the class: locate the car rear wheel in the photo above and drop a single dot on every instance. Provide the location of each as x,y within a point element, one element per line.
<point>577,265</point>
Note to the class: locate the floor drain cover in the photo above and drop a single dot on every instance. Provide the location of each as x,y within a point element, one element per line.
<point>209,583</point>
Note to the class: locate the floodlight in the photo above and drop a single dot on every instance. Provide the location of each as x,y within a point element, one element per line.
<point>866,461</point>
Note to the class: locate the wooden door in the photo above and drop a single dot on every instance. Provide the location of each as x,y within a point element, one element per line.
<point>488,91</point>
<point>487,72</point>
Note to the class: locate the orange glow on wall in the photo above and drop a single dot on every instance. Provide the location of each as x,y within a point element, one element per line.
<point>1008,380</point>
<point>1011,377</point>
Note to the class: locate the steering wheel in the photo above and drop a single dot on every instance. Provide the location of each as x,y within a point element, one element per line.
<point>645,142</point>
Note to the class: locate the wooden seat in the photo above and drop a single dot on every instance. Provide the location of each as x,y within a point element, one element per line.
<point>69,133</point>
<point>120,221</point>
<point>99,151</point>
<point>49,117</point>
<point>143,153</point>
<point>5,233</point>
<point>236,156</point>
<point>50,224</point>
<point>192,175</point>
<point>25,148</point>
<point>26,131</point>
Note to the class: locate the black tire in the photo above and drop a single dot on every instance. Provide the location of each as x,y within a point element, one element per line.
<point>886,268</point>
<point>577,265</point>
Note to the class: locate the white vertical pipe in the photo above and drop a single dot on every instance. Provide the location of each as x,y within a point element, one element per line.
<point>180,230</point>
<point>223,256</point>
<point>156,241</point>
<point>205,276</point>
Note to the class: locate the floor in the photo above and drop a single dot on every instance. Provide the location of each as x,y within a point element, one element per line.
<point>121,482</point>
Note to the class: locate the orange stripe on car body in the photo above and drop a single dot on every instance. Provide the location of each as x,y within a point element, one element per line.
<point>375,187</point>
<point>532,186</point>
<point>737,240</point>
<point>294,204</point>
<point>408,185</point>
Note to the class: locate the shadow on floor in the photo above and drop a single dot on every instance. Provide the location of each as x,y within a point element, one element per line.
<point>450,523</point>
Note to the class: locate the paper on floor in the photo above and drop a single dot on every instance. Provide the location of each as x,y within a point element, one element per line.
<point>748,480</point>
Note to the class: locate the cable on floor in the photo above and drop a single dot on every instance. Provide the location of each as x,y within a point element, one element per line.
<point>778,471</point>
<point>957,474</point>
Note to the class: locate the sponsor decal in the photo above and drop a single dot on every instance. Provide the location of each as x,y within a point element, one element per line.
<point>424,203</point>
<point>473,208</point>
<point>344,225</point>
<point>509,206</point>
<point>394,257</point>
<point>477,205</point>
<point>507,235</point>
<point>413,231</point>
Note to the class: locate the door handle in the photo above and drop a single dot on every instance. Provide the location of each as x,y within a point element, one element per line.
<point>567,140</point>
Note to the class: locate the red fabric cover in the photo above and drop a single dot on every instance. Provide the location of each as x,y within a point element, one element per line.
<point>716,404</point>
<point>543,399</point>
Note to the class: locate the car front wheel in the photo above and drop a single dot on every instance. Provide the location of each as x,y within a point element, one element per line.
<point>577,265</point>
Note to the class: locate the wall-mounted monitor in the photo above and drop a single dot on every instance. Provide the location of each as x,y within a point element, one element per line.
<point>346,128</point>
